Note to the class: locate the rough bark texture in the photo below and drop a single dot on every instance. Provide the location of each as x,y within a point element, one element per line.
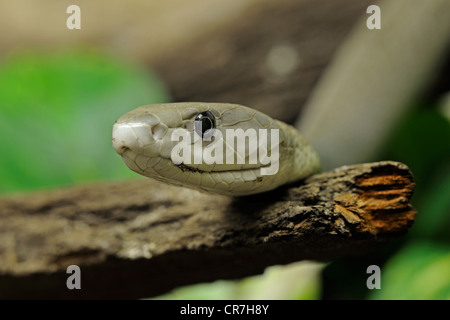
<point>141,238</point>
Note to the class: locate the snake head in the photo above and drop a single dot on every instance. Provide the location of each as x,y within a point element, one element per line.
<point>189,144</point>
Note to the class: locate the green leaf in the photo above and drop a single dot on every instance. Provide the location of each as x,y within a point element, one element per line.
<point>57,112</point>
<point>421,270</point>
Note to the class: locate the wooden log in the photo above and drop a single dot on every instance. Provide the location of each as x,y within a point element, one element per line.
<point>142,238</point>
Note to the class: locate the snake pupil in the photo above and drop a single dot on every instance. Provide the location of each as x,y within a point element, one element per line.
<point>204,123</point>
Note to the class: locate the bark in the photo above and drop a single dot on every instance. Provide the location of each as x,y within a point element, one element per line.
<point>141,238</point>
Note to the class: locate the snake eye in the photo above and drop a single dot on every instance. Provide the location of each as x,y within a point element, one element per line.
<point>204,124</point>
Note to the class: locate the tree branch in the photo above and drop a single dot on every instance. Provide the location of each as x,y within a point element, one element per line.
<point>141,238</point>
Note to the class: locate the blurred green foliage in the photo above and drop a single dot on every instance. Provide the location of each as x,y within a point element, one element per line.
<point>421,267</point>
<point>422,141</point>
<point>421,270</point>
<point>56,116</point>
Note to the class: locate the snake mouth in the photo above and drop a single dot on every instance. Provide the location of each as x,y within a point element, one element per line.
<point>256,177</point>
<point>185,168</point>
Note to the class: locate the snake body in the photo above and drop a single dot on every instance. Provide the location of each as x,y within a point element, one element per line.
<point>143,138</point>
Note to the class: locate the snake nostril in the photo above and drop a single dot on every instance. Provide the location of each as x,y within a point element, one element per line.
<point>123,149</point>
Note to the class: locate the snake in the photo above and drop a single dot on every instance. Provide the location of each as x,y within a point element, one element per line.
<point>143,137</point>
